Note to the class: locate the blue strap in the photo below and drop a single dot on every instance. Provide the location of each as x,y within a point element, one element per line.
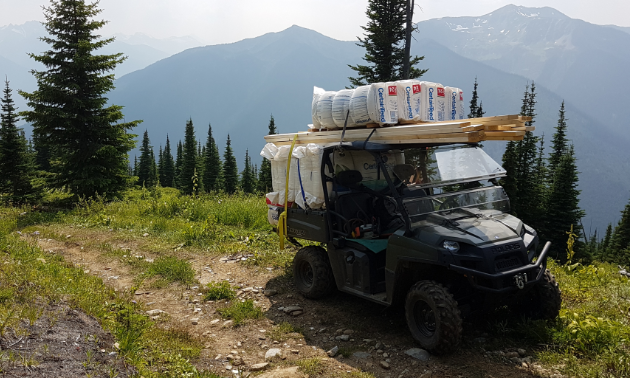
<point>300,178</point>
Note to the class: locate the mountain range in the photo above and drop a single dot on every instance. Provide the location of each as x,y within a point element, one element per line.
<point>236,87</point>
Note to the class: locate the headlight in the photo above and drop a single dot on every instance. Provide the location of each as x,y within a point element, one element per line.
<point>451,246</point>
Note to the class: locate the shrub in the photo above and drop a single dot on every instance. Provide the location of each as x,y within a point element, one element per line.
<point>241,311</point>
<point>219,290</point>
<point>172,269</point>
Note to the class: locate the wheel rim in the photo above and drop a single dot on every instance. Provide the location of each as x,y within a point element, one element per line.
<point>424,317</point>
<point>306,274</point>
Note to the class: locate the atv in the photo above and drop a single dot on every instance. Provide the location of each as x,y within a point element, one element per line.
<point>423,225</point>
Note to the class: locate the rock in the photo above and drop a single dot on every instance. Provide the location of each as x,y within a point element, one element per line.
<point>361,355</point>
<point>418,354</point>
<point>339,331</point>
<point>384,364</point>
<point>385,355</point>
<point>516,360</point>
<point>227,323</point>
<point>426,374</point>
<point>333,352</point>
<point>237,361</point>
<point>228,367</point>
<point>297,313</point>
<point>291,372</point>
<point>194,321</point>
<point>273,353</point>
<point>295,351</point>
<point>343,338</point>
<point>348,332</point>
<point>155,312</point>
<point>378,345</point>
<point>293,310</point>
<point>215,321</point>
<point>116,345</point>
<point>527,360</point>
<point>511,354</point>
<point>270,292</point>
<point>521,352</point>
<point>145,234</point>
<point>259,367</point>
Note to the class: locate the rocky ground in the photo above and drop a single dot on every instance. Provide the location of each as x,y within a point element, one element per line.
<point>335,337</point>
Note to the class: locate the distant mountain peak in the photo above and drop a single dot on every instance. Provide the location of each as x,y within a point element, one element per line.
<point>528,12</point>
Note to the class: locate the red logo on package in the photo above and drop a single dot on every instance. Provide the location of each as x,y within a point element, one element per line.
<point>416,88</point>
<point>392,90</point>
<point>440,92</point>
<point>461,96</point>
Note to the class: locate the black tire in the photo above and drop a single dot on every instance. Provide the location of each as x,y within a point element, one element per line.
<point>312,272</point>
<point>433,317</point>
<point>544,300</point>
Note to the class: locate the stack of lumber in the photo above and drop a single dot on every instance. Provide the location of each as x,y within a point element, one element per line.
<point>472,130</point>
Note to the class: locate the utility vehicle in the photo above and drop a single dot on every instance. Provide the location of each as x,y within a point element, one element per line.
<point>427,225</point>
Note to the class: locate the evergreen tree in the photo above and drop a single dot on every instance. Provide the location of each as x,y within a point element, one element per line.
<point>559,143</point>
<point>230,169</point>
<point>563,209</point>
<point>178,164</point>
<point>189,163</point>
<point>69,108</point>
<point>480,111</point>
<point>510,164</point>
<point>474,98</point>
<point>264,177</point>
<point>160,166</point>
<point>213,166</point>
<point>248,179</point>
<point>384,44</point>
<point>17,167</point>
<point>605,244</point>
<point>620,241</point>
<point>42,153</point>
<point>146,167</point>
<point>167,177</point>
<point>135,165</point>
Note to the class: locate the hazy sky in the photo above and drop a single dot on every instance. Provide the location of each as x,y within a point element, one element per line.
<point>220,21</point>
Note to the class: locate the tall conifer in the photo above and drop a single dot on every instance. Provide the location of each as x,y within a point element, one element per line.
<point>189,163</point>
<point>264,175</point>
<point>384,44</point>
<point>213,166</point>
<point>69,108</point>
<point>167,177</point>
<point>178,164</point>
<point>605,244</point>
<point>559,143</point>
<point>17,167</point>
<point>474,98</point>
<point>247,176</point>
<point>146,166</point>
<point>620,241</point>
<point>230,169</point>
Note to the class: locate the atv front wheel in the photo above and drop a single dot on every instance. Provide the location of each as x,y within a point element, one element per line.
<point>312,272</point>
<point>544,300</point>
<point>433,317</point>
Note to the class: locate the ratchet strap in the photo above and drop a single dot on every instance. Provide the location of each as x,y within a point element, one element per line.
<point>282,220</point>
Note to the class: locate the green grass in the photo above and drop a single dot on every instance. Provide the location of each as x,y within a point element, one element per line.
<point>283,331</point>
<point>238,311</point>
<point>171,269</point>
<point>311,366</point>
<point>219,290</point>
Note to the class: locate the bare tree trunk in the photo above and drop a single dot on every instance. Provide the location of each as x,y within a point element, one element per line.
<point>406,68</point>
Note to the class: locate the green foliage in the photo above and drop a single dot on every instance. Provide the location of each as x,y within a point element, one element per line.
<point>167,172</point>
<point>264,175</point>
<point>474,98</point>
<point>384,44</point>
<point>130,326</point>
<point>69,112</point>
<point>559,143</point>
<point>147,175</point>
<point>189,162</point>
<point>619,249</point>
<point>238,311</point>
<point>213,172</point>
<point>230,170</point>
<point>178,164</point>
<point>248,181</point>
<point>219,290</point>
<point>311,366</point>
<point>284,331</point>
<point>17,167</point>
<point>172,269</point>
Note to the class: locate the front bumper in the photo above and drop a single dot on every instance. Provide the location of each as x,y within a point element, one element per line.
<point>508,281</point>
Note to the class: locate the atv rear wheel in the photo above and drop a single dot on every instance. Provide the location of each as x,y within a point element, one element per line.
<point>312,272</point>
<point>433,317</point>
<point>544,300</point>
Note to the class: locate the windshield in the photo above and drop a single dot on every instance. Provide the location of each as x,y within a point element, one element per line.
<point>491,198</point>
<point>432,167</point>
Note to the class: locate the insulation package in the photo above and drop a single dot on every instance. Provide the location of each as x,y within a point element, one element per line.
<point>433,102</point>
<point>455,103</point>
<point>317,92</point>
<point>409,97</point>
<point>340,108</point>
<point>383,103</point>
<point>324,110</point>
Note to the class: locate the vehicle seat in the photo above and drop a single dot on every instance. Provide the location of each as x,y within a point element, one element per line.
<point>354,206</point>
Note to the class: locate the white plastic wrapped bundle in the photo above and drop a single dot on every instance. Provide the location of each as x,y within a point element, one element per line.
<point>433,102</point>
<point>317,92</point>
<point>454,103</point>
<point>359,106</point>
<point>383,103</point>
<point>324,110</point>
<point>269,151</point>
<point>409,95</point>
<point>281,174</point>
<point>340,106</point>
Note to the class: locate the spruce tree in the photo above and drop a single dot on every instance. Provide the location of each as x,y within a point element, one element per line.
<point>264,176</point>
<point>620,241</point>
<point>17,166</point>
<point>605,244</point>
<point>480,111</point>
<point>135,165</point>
<point>146,166</point>
<point>167,177</point>
<point>212,165</point>
<point>510,164</point>
<point>178,164</point>
<point>160,165</point>
<point>559,143</point>
<point>384,44</point>
<point>474,98</point>
<point>189,163</point>
<point>563,207</point>
<point>247,181</point>
<point>230,169</point>
<point>69,108</point>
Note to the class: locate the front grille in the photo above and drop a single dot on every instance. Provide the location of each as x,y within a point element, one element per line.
<point>505,264</point>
